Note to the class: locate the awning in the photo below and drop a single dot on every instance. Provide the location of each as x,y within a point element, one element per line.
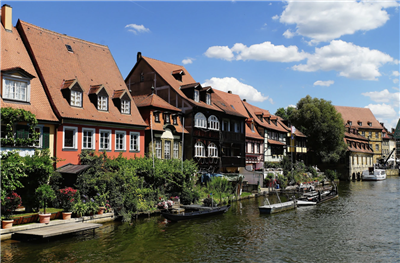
<point>72,168</point>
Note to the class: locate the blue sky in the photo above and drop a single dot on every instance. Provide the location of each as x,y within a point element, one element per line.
<point>271,53</point>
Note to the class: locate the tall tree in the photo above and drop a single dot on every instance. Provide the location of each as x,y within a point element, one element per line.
<point>323,125</point>
<point>285,113</point>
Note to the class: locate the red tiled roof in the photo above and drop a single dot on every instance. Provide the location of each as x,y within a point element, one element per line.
<point>252,134</point>
<point>15,56</point>
<point>95,89</point>
<point>225,106</point>
<point>153,100</point>
<point>89,63</point>
<point>356,115</point>
<point>119,93</point>
<point>233,100</point>
<point>275,142</point>
<point>253,109</point>
<point>296,133</point>
<point>164,69</point>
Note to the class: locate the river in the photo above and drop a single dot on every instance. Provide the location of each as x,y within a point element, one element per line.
<point>361,226</point>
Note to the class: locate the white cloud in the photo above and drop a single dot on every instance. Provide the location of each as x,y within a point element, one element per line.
<point>288,34</point>
<point>222,52</point>
<point>383,111</point>
<point>384,96</point>
<point>264,51</point>
<point>324,21</point>
<point>395,88</point>
<point>395,81</point>
<point>326,83</point>
<point>137,28</point>
<point>291,106</point>
<point>349,60</point>
<point>395,73</point>
<point>275,17</point>
<point>271,101</point>
<point>187,61</point>
<point>243,90</point>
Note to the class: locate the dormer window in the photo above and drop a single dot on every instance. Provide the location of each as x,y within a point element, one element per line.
<point>208,98</point>
<point>175,120</point>
<point>76,98</point>
<point>252,127</point>
<point>99,97</point>
<point>370,124</point>
<point>16,84</point>
<point>196,96</point>
<point>350,122</point>
<point>122,101</point>
<point>178,74</point>
<point>167,118</point>
<point>359,123</point>
<point>72,92</point>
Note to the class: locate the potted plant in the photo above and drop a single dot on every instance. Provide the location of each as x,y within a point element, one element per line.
<point>102,202</point>
<point>45,194</point>
<point>92,207</point>
<point>79,208</point>
<point>7,209</point>
<point>67,197</point>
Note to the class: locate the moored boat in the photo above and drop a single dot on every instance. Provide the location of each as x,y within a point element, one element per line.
<point>195,214</point>
<point>372,174</point>
<point>276,208</point>
<point>305,203</point>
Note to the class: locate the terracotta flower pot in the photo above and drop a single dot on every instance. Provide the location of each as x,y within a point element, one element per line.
<point>44,218</point>
<point>6,224</point>
<point>101,210</point>
<point>66,215</point>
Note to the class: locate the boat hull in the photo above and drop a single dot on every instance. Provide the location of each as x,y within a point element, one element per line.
<point>197,214</point>
<point>373,175</point>
<point>276,208</point>
<point>305,203</point>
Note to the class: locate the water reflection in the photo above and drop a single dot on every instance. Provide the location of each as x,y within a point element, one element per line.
<point>361,226</point>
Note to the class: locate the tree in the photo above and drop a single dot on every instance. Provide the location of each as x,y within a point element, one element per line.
<point>285,114</point>
<point>323,125</point>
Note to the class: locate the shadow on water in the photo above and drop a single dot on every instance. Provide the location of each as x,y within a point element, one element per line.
<point>361,226</point>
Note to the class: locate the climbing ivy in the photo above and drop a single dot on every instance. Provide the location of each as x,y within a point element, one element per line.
<point>9,117</point>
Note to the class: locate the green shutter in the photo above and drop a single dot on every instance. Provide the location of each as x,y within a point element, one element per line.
<point>22,131</point>
<point>46,137</point>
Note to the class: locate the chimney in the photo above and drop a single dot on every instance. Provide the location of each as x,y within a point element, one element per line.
<point>229,91</point>
<point>6,17</point>
<point>139,56</point>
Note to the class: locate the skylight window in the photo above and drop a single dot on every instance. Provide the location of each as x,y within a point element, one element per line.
<point>233,107</point>
<point>69,48</point>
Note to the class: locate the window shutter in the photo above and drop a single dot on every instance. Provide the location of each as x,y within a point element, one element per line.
<point>46,138</point>
<point>22,131</point>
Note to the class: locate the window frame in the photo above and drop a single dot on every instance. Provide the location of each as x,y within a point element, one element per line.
<point>200,120</point>
<point>109,139</point>
<point>199,148</point>
<point>131,136</point>
<point>100,100</point>
<point>196,95</point>
<point>116,140</point>
<point>176,150</point>
<point>212,150</point>
<point>81,98</point>
<point>213,123</point>
<point>158,148</point>
<point>126,109</point>
<point>93,138</point>
<point>16,79</point>
<point>156,116</point>
<point>167,150</point>
<point>40,139</point>
<point>74,138</point>
<point>208,98</point>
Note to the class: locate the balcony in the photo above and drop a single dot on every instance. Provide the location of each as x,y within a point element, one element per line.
<point>233,161</point>
<point>232,136</point>
<point>209,134</point>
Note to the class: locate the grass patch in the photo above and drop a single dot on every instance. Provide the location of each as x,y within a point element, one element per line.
<point>244,194</point>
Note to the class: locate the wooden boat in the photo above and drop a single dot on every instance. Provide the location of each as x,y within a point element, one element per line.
<point>276,208</point>
<point>195,214</point>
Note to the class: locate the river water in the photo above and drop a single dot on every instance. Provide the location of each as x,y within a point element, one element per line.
<point>361,226</point>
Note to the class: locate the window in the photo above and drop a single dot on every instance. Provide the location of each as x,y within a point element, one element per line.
<point>370,124</point>
<point>120,140</point>
<point>69,48</point>
<point>102,103</point>
<point>157,117</point>
<point>199,150</point>
<point>213,123</point>
<point>196,96</point>
<point>370,135</point>
<point>359,123</point>
<point>350,123</point>
<point>125,106</point>
<point>226,125</point>
<point>363,133</point>
<point>105,140</point>
<point>237,128</point>
<point>88,138</point>
<point>377,147</point>
<point>249,147</point>
<point>175,120</point>
<point>208,99</point>
<point>212,150</point>
<point>167,150</point>
<point>167,120</point>
<point>158,149</point>
<point>70,139</point>
<point>135,141</point>
<point>252,127</point>
<point>256,148</point>
<point>176,150</point>
<point>76,98</point>
<point>16,89</point>
<point>200,120</point>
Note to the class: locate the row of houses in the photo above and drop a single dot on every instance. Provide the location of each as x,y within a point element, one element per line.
<point>82,102</point>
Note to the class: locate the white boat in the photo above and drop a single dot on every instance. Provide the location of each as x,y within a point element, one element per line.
<point>305,203</point>
<point>275,208</point>
<point>373,174</point>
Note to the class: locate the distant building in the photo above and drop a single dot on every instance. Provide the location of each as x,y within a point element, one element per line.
<point>388,144</point>
<point>396,136</point>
